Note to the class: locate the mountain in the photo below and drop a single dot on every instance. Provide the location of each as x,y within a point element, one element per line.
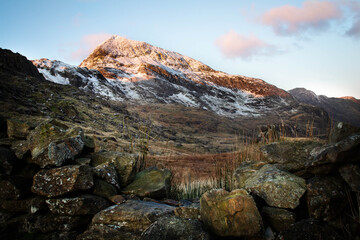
<point>153,80</point>
<point>345,109</point>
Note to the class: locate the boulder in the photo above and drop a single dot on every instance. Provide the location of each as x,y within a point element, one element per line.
<point>311,229</point>
<point>230,213</point>
<point>341,131</point>
<point>107,172</point>
<point>189,212</point>
<point>82,205</point>
<point>289,155</point>
<point>18,129</point>
<point>171,227</point>
<point>83,161</point>
<point>279,219</point>
<point>52,143</point>
<point>20,148</point>
<point>117,199</point>
<point>103,189</point>
<point>326,197</point>
<point>278,188</point>
<point>59,181</point>
<point>152,182</point>
<point>7,161</point>
<point>351,174</point>
<point>125,164</point>
<point>246,170</point>
<point>14,187</point>
<point>345,151</point>
<point>47,223</point>
<point>125,221</point>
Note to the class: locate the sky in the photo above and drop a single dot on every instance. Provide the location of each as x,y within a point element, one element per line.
<point>313,44</point>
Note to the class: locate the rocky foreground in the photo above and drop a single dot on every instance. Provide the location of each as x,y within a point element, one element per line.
<point>55,185</point>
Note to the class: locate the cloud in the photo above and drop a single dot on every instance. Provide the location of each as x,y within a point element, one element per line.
<point>290,20</point>
<point>354,7</point>
<point>234,45</point>
<point>87,44</point>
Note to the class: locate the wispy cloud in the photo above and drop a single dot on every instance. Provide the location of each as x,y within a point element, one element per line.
<point>235,45</point>
<point>87,44</point>
<point>291,20</point>
<point>354,7</point>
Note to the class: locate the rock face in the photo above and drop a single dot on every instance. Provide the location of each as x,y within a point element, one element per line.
<point>170,227</point>
<point>153,183</point>
<point>127,220</point>
<point>82,205</point>
<point>124,163</point>
<point>59,181</point>
<point>278,188</point>
<point>230,214</point>
<point>325,197</point>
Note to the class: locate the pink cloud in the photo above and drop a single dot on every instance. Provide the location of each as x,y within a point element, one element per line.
<point>234,45</point>
<point>87,44</point>
<point>290,20</point>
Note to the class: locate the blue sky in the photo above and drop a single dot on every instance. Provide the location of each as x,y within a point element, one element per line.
<point>312,44</point>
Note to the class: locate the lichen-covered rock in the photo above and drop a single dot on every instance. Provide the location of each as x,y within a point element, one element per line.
<point>246,170</point>
<point>351,174</point>
<point>279,219</point>
<point>341,131</point>
<point>152,182</point>
<point>14,187</point>
<point>325,197</point>
<point>107,172</point>
<point>345,151</point>
<point>52,143</point>
<point>18,129</point>
<point>47,223</point>
<point>230,213</point>
<point>59,181</point>
<point>125,221</point>
<point>103,189</point>
<point>82,205</point>
<point>311,229</point>
<point>125,164</point>
<point>190,211</point>
<point>171,227</point>
<point>289,155</point>
<point>278,188</point>
<point>7,161</point>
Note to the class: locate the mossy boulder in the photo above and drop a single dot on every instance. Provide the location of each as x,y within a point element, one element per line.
<point>103,189</point>
<point>152,182</point>
<point>278,188</point>
<point>246,170</point>
<point>125,164</point>
<point>59,181</point>
<point>229,214</point>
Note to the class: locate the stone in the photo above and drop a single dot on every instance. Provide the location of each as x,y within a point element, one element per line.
<point>125,164</point>
<point>279,219</point>
<point>345,151</point>
<point>15,206</point>
<point>125,221</point>
<point>82,205</point>
<point>18,129</point>
<point>37,204</point>
<point>229,214</point>
<point>341,131</point>
<point>14,187</point>
<point>351,174</point>
<point>278,188</point>
<point>289,155</point>
<point>246,170</point>
<point>7,161</point>
<point>325,197</point>
<point>52,143</point>
<point>171,227</point>
<point>117,199</point>
<point>311,229</point>
<point>47,223</point>
<point>20,148</point>
<point>83,161</point>
<point>107,172</point>
<point>59,181</point>
<point>152,182</point>
<point>189,212</point>
<point>103,189</point>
